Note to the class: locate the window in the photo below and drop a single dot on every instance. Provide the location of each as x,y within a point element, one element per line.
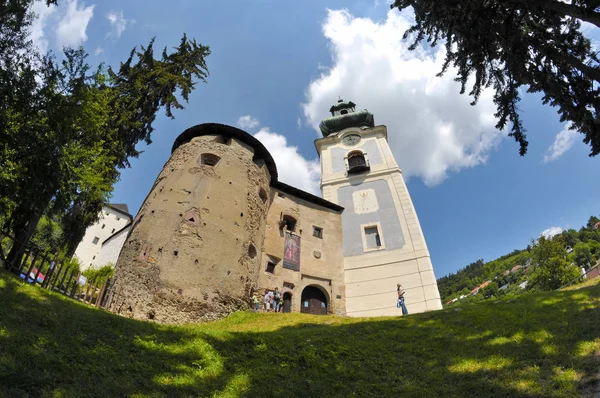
<point>263,195</point>
<point>317,232</point>
<point>357,163</point>
<point>93,258</point>
<point>372,237</point>
<point>103,225</point>
<point>251,251</point>
<point>118,218</point>
<point>288,223</point>
<point>270,267</point>
<point>96,240</point>
<point>113,231</point>
<point>209,159</point>
<point>344,111</point>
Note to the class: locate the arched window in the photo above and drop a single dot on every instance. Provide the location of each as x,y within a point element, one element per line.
<point>357,162</point>
<point>209,159</point>
<point>344,111</point>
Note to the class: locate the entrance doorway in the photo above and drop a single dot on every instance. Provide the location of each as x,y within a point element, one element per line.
<point>313,301</point>
<point>287,302</point>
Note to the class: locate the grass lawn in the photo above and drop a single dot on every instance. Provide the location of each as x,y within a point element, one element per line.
<point>539,345</point>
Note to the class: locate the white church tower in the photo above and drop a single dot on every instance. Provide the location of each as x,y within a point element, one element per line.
<point>382,239</point>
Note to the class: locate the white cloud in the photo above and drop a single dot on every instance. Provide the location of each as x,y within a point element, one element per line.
<point>247,122</point>
<point>99,51</point>
<point>299,122</point>
<point>292,168</point>
<point>38,35</point>
<point>118,23</point>
<point>563,141</point>
<point>71,28</point>
<point>550,232</point>
<point>433,130</point>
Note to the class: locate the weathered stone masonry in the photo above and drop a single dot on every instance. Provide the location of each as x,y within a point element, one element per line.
<point>193,252</point>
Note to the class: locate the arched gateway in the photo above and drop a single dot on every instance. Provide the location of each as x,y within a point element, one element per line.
<point>314,301</point>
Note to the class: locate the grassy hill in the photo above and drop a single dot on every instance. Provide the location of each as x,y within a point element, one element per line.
<point>539,345</point>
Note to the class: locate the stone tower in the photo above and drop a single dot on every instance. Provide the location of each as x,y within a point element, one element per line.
<point>382,239</point>
<point>194,249</point>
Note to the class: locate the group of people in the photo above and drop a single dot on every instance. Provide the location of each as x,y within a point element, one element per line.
<point>272,301</point>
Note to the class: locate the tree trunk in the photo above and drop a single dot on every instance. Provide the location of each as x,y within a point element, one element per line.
<point>589,71</point>
<point>22,233</point>
<point>565,9</point>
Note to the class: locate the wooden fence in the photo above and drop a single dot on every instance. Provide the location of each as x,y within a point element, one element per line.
<point>47,270</point>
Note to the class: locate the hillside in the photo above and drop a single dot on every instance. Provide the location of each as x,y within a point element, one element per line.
<point>546,344</point>
<point>580,248</point>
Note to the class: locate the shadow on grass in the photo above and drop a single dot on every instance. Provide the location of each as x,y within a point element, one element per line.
<point>538,346</point>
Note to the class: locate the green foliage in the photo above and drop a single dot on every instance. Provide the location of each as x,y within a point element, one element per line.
<point>551,268</point>
<point>99,275</point>
<point>72,265</point>
<point>491,290</point>
<point>539,345</point>
<point>66,128</point>
<point>513,46</point>
<point>48,235</point>
<point>585,242</point>
<point>582,255</point>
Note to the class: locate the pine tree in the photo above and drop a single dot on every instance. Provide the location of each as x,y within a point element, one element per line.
<point>66,130</point>
<point>510,45</point>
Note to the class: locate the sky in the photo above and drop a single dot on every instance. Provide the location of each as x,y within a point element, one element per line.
<point>275,71</point>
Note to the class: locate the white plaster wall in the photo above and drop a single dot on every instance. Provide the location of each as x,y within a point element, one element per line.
<point>87,251</point>
<point>109,253</point>
<point>371,278</point>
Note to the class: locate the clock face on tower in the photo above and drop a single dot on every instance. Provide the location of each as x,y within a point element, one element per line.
<point>351,139</point>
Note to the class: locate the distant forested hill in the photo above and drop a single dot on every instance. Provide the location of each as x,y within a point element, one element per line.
<point>581,248</point>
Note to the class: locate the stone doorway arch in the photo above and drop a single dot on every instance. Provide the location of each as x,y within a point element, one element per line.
<point>287,302</point>
<point>314,301</point>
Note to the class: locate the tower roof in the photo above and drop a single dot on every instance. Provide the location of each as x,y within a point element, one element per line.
<point>260,152</point>
<point>341,104</point>
<point>343,116</point>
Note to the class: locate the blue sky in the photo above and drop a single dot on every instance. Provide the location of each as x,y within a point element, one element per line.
<point>283,66</point>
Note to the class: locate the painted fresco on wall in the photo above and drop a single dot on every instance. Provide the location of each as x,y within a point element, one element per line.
<point>291,252</point>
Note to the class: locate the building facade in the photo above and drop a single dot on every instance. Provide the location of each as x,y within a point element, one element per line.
<point>218,227</point>
<point>113,222</point>
<point>383,243</point>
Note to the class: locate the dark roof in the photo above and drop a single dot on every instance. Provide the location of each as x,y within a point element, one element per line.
<point>117,233</point>
<point>337,123</point>
<point>121,208</point>
<point>260,152</point>
<point>341,104</point>
<point>309,197</point>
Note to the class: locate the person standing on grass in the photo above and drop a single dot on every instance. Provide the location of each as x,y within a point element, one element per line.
<point>267,301</point>
<point>276,298</point>
<point>400,303</point>
<point>256,302</point>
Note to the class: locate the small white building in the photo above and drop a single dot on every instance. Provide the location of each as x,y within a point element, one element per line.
<point>103,240</point>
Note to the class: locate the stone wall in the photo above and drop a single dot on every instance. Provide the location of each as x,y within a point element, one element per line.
<point>193,253</point>
<point>321,259</point>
